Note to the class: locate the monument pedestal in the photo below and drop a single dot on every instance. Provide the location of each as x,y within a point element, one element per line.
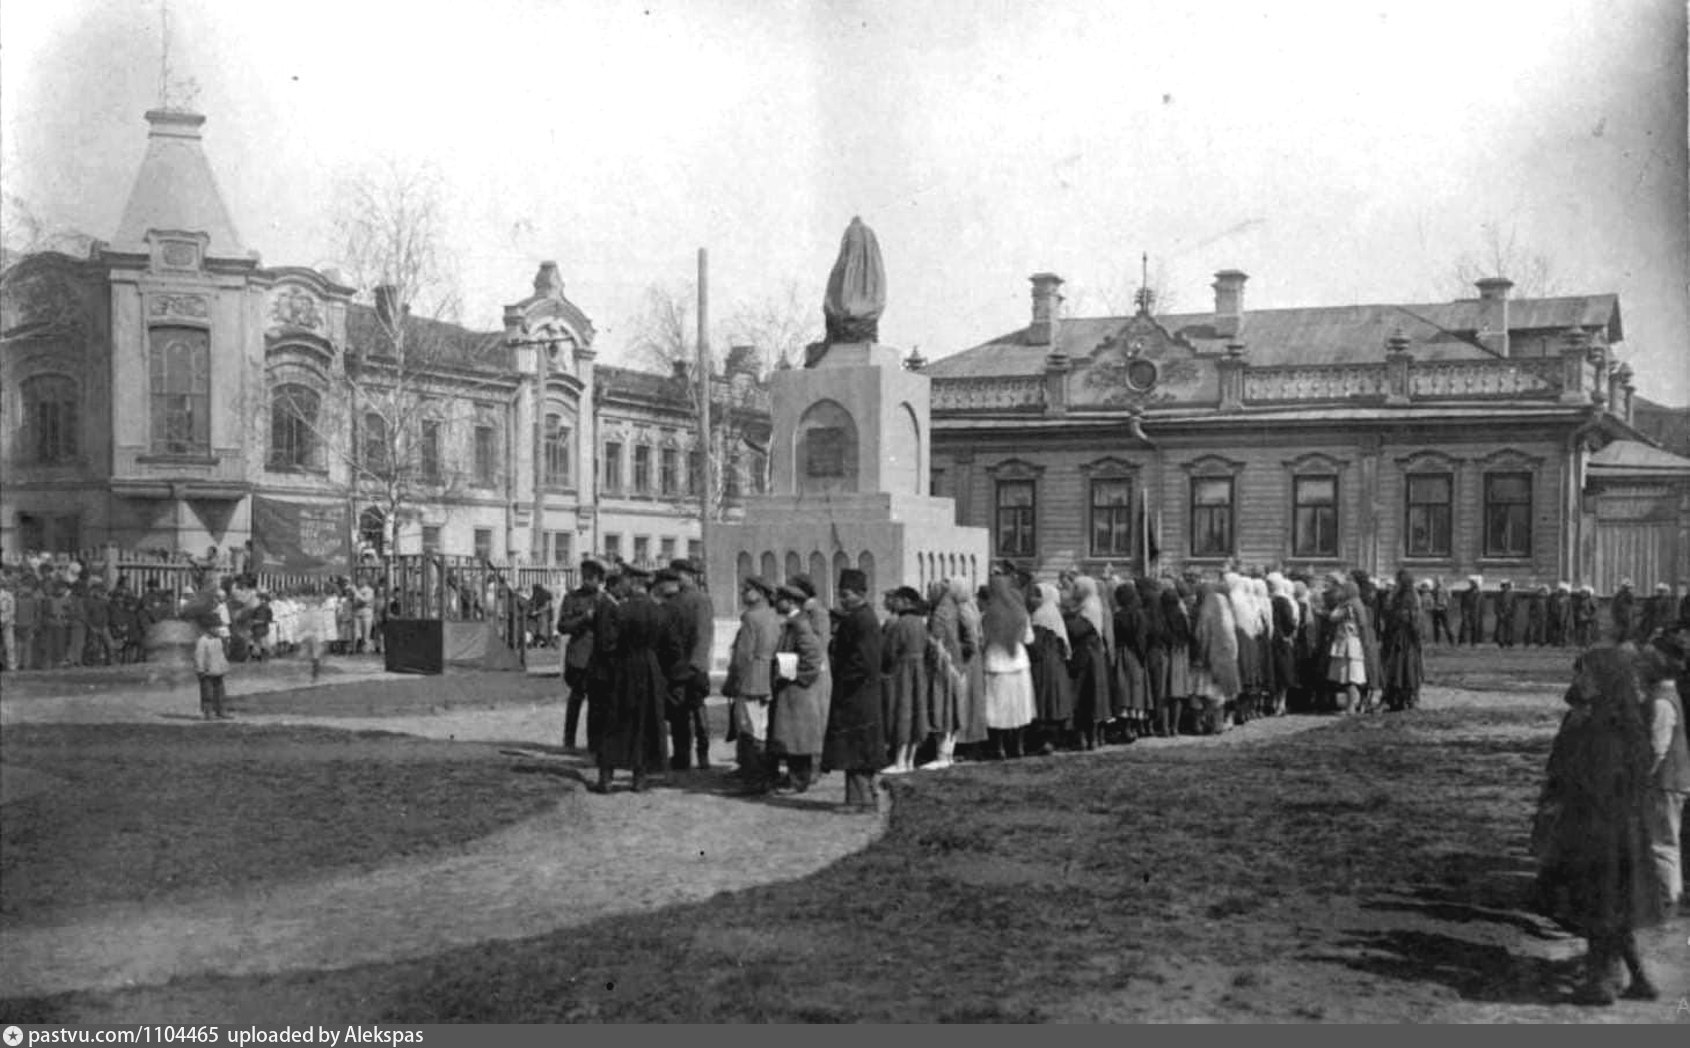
<point>850,473</point>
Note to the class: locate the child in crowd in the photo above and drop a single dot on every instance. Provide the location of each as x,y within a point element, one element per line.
<point>211,665</point>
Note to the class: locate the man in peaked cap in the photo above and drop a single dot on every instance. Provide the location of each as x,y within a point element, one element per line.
<point>576,615</point>
<point>750,685</point>
<point>855,740</point>
<point>689,726</point>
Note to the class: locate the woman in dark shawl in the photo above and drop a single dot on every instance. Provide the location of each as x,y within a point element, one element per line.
<point>1053,692</point>
<point>1088,666</point>
<point>1153,643</point>
<point>904,666</point>
<point>1178,634</point>
<point>1131,672</point>
<point>1594,849</point>
<point>947,683</point>
<point>1403,662</point>
<point>1287,626</point>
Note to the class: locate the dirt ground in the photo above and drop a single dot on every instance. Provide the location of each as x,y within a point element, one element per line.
<point>519,925</point>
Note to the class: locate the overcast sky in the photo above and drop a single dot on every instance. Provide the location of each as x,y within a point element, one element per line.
<point>1338,152</point>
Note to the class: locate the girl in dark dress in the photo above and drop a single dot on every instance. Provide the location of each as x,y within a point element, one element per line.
<point>1088,665</point>
<point>1130,668</point>
<point>1177,623</point>
<point>1153,639</point>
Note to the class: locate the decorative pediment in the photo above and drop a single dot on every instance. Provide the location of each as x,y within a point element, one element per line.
<point>1140,364</point>
<point>176,307</point>
<point>1429,462</point>
<point>1213,466</point>
<point>1510,459</point>
<point>1315,462</point>
<point>1015,469</point>
<point>1109,466</point>
<point>293,308</point>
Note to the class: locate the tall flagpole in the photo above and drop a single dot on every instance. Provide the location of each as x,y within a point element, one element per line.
<point>707,484</point>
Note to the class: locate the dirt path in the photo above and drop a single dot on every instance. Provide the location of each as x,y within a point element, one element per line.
<point>588,858</point>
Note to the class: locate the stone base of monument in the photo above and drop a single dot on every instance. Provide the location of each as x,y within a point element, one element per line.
<point>849,475</point>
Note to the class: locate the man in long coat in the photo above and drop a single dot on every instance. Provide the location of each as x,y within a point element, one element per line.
<point>689,728</point>
<point>798,714</point>
<point>855,741</point>
<point>575,620</point>
<point>749,683</point>
<point>635,737</point>
<point>1623,610</point>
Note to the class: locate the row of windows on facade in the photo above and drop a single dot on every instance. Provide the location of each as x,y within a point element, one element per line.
<point>1429,516</point>
<point>560,545</point>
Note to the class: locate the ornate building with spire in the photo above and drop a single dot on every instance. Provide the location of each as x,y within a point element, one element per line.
<point>169,392</point>
<point>1492,435</point>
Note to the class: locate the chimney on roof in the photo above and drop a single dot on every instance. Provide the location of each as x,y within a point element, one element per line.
<point>387,304</point>
<point>1229,302</point>
<point>1493,314</point>
<point>1047,309</point>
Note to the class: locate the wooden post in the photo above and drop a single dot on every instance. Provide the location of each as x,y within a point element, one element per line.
<point>704,387</point>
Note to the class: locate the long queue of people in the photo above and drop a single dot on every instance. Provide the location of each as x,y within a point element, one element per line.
<point>1541,616</point>
<point>1012,669</point>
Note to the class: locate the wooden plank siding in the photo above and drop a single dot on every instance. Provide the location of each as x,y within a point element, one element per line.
<point>1372,498</point>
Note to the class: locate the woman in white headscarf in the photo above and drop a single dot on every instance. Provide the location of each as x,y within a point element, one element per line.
<point>1247,623</point>
<point>1053,691</point>
<point>1088,666</point>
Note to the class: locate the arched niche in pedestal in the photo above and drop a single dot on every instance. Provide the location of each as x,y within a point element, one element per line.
<point>826,447</point>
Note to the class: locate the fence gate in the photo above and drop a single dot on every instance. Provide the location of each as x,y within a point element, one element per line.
<point>1637,538</point>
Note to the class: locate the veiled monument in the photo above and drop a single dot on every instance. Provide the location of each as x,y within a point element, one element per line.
<point>849,460</point>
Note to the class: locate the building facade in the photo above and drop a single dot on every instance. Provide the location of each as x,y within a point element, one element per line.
<point>1491,435</point>
<point>168,392</point>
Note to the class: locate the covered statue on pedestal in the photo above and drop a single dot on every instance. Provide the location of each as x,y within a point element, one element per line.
<point>856,293</point>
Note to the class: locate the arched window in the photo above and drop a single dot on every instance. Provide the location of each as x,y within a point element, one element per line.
<point>180,379</point>
<point>50,419</point>
<point>556,452</point>
<point>375,450</point>
<point>294,411</point>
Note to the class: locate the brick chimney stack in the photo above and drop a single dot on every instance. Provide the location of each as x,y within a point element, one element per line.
<point>1229,302</point>
<point>1047,309</point>
<point>1493,314</point>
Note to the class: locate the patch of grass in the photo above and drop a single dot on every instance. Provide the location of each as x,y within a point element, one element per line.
<point>1131,885</point>
<point>136,813</point>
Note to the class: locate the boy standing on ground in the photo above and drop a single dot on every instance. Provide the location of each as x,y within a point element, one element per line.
<point>212,666</point>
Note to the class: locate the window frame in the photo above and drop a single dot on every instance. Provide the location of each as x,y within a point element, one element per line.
<point>374,456</point>
<point>1299,548</point>
<point>486,453</point>
<point>1447,506</point>
<point>482,543</point>
<point>554,452</point>
<point>669,471</point>
<point>642,469</point>
<point>611,477</point>
<point>65,409</point>
<point>430,444</point>
<point>1024,527</point>
<point>170,409</point>
<point>1490,550</point>
<point>1120,513</point>
<point>1210,511</point>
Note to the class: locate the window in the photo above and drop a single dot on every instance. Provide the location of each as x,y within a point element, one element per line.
<point>374,450</point>
<point>1429,515</point>
<point>695,473</point>
<point>484,543</point>
<point>56,534</point>
<point>561,544</point>
<point>613,468</point>
<point>556,452</point>
<point>642,469</point>
<point>1211,516</point>
<point>613,546</point>
<point>936,482</point>
<point>1314,517</point>
<point>759,473</point>
<point>1111,518</point>
<point>50,419</point>
<point>1508,514</point>
<point>486,456</point>
<point>372,529</point>
<point>293,427</point>
<point>430,451</point>
<point>666,549</point>
<point>431,538</point>
<point>1017,503</point>
<point>642,549</point>
<point>731,480</point>
<point>669,471</point>
<point>180,380</point>
<point>695,549</point>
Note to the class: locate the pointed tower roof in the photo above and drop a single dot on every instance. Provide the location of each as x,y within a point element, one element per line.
<point>175,189</point>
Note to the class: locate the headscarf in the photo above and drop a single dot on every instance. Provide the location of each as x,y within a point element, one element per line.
<point>1004,619</point>
<point>1129,619</point>
<point>1150,604</point>
<point>1175,618</point>
<point>1243,600</point>
<point>944,619</point>
<point>1214,642</point>
<point>1048,614</point>
<point>1263,603</point>
<point>1089,604</point>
